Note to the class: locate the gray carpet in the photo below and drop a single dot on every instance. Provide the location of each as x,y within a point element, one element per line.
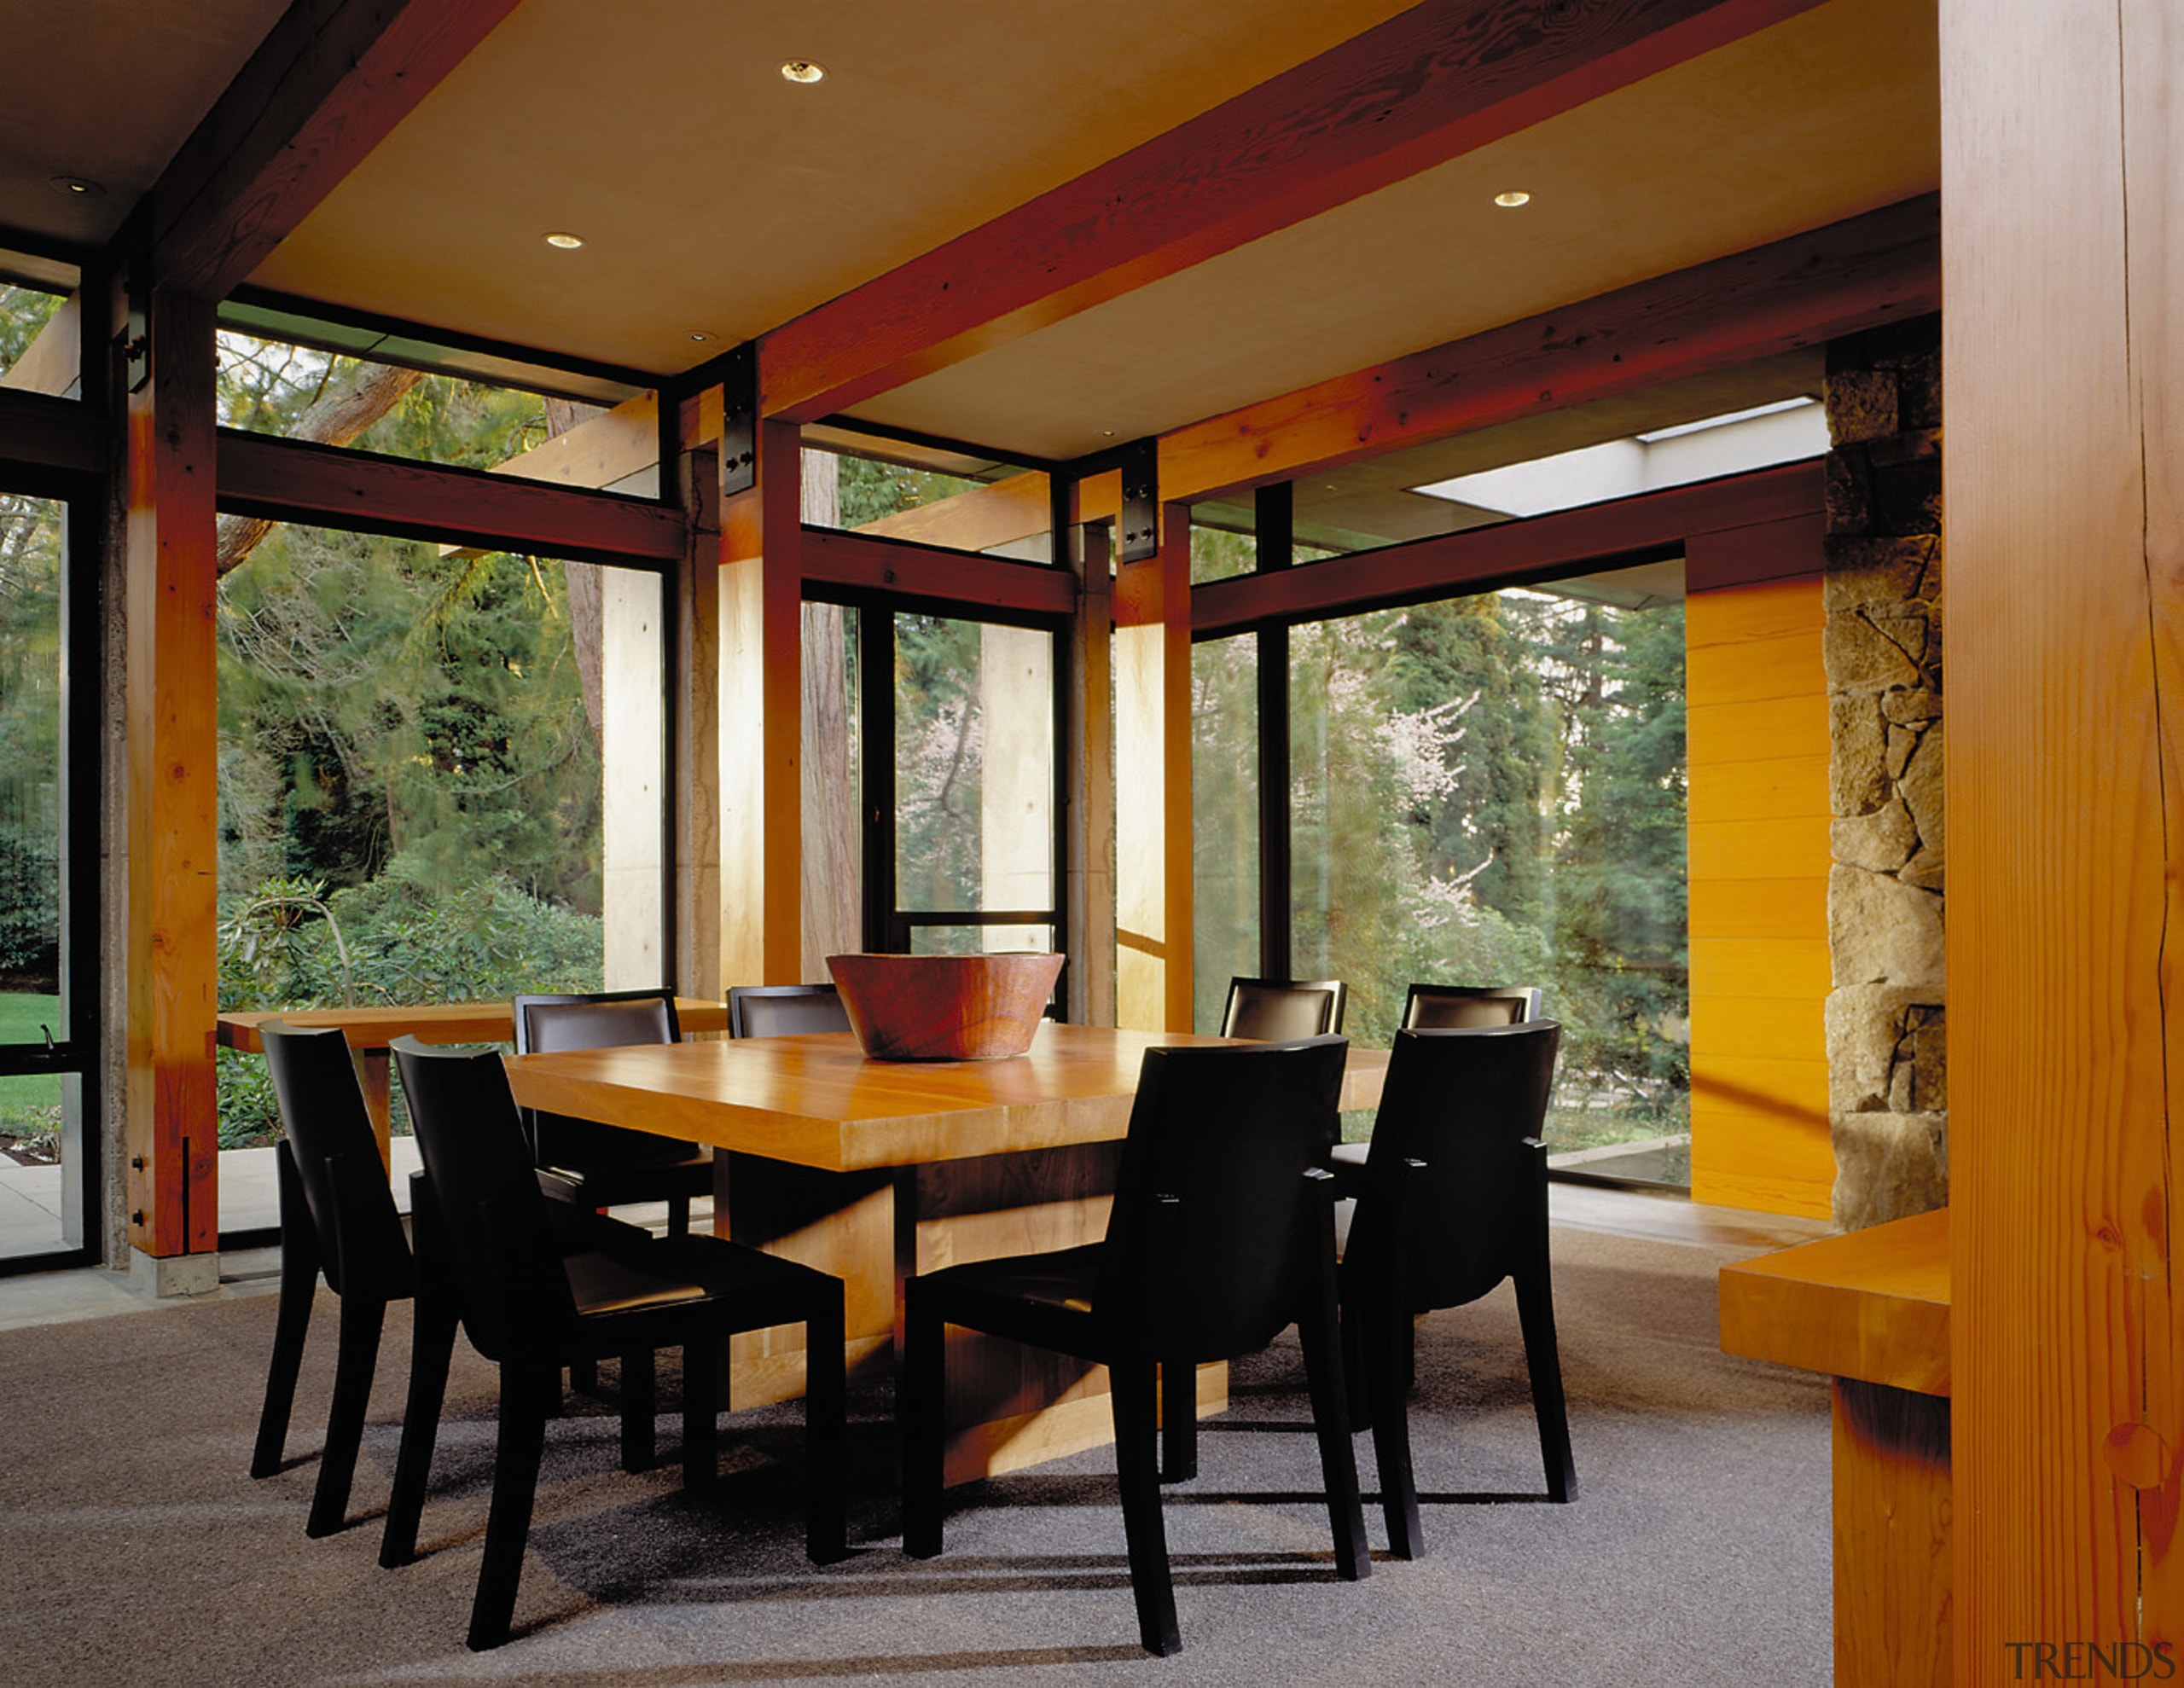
<point>136,1549</point>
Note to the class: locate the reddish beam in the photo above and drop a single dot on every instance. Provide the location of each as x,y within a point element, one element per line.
<point>1884,266</point>
<point>289,480</point>
<point>1432,83</point>
<point>949,577</point>
<point>1480,559</point>
<point>330,82</point>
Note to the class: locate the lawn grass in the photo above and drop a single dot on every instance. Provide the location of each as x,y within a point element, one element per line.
<point>28,1106</point>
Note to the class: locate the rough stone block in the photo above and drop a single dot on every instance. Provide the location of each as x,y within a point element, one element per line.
<point>1882,841</point>
<point>1928,870</point>
<point>1922,785</point>
<point>1860,405</point>
<point>1907,627</point>
<point>1869,573</point>
<point>1849,497</point>
<point>1863,1024</point>
<point>1857,776</point>
<point>1906,497</point>
<point>1918,391</point>
<point>1911,706</point>
<point>1887,1166</point>
<point>1858,657</point>
<point>1881,931</point>
<point>1901,742</point>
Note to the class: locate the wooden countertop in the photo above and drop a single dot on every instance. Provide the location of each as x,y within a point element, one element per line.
<point>1873,1305</point>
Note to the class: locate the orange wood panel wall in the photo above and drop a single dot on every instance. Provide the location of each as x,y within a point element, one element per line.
<point>1757,725</point>
<point>2062,267</point>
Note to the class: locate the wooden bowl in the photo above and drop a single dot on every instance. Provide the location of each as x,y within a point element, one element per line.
<point>944,1007</point>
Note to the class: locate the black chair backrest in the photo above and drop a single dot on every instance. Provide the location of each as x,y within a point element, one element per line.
<point>785,1010</point>
<point>601,1019</point>
<point>485,1198</point>
<point>1434,1006</point>
<point>1280,1010</point>
<point>1211,1201</point>
<point>1463,1101</point>
<point>336,1155</point>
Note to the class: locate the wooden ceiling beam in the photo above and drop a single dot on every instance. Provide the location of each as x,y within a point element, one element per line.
<point>1442,79</point>
<point>1884,266</point>
<point>330,82</point>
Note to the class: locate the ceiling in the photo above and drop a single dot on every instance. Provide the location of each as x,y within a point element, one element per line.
<point>716,198</point>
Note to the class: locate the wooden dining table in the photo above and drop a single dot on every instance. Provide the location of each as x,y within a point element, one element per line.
<point>873,1170</point>
<point>371,1029</point>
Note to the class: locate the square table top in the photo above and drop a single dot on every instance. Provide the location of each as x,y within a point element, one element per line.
<point>818,1101</point>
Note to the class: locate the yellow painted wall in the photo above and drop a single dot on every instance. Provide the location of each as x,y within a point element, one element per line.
<point>1757,725</point>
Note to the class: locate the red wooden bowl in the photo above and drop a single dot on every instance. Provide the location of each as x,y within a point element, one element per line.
<point>944,1007</point>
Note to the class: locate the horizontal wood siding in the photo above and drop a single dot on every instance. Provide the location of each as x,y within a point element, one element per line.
<point>1757,703</point>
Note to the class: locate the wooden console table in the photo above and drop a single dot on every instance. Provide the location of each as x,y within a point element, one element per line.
<point>1871,1309</point>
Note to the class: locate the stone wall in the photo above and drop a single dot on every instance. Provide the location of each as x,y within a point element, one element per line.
<point>1888,1086</point>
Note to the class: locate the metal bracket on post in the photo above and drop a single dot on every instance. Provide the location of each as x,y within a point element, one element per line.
<point>739,419</point>
<point>1140,511</point>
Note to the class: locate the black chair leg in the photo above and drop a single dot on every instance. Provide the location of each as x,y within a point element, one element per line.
<point>1543,1360</point>
<point>1358,1398</point>
<point>299,1266</point>
<point>363,1319</point>
<point>678,1215</point>
<point>1382,1356</point>
<point>700,1412</point>
<point>640,1404</point>
<point>521,1445</point>
<point>1319,1333</point>
<point>432,1348</point>
<point>584,1375</point>
<point>825,1435</point>
<point>1135,1402</point>
<point>919,1408</point>
<point>1178,1421</point>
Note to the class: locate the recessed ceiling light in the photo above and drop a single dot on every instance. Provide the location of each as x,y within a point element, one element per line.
<point>565,241</point>
<point>802,70</point>
<point>1512,199</point>
<point>77,187</point>
<point>699,335</point>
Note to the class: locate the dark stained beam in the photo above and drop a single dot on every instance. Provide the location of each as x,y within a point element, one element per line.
<point>947,577</point>
<point>1884,266</point>
<point>330,82</point>
<point>1430,85</point>
<point>1629,530</point>
<point>289,481</point>
<point>48,432</point>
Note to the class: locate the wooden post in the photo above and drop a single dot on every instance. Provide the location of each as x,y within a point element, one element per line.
<point>172,794</point>
<point>694,751</point>
<point>1091,750</point>
<point>761,660</point>
<point>2063,262</point>
<point>1153,784</point>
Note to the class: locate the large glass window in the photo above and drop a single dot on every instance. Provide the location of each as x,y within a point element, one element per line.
<point>1490,791</point>
<point>1224,821</point>
<point>44,1185</point>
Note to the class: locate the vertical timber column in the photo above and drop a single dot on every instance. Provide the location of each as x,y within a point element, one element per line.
<point>693,751</point>
<point>2063,268</point>
<point>1090,902</point>
<point>761,740</point>
<point>173,825</point>
<point>1153,784</point>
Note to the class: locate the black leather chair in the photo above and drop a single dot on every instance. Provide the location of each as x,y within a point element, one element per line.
<point>337,1215</point>
<point>1454,1201</point>
<point>1281,1010</point>
<point>1221,1236</point>
<point>605,1166</point>
<point>1429,1007</point>
<point>485,1254</point>
<point>785,1010</point>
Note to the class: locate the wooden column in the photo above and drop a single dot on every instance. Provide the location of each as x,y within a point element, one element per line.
<point>761,665</point>
<point>1153,784</point>
<point>172,794</point>
<point>693,747</point>
<point>2063,254</point>
<point>1089,893</point>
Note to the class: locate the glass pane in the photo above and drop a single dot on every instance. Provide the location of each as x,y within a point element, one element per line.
<point>1490,791</point>
<point>834,888</point>
<point>32,533</point>
<point>892,490</point>
<point>1224,821</point>
<point>440,780</point>
<point>41,1199</point>
<point>40,346</point>
<point>974,770</point>
<point>975,940</point>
